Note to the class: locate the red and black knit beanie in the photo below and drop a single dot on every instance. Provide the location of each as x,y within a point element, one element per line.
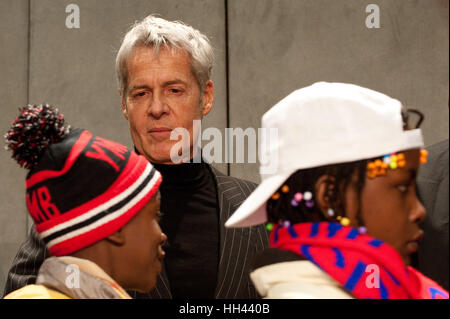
<point>80,188</point>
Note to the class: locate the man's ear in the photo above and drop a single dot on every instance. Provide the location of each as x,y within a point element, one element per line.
<point>123,104</point>
<point>324,191</point>
<point>208,98</point>
<point>118,238</point>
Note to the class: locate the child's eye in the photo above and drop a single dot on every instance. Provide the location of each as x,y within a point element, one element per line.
<point>404,187</point>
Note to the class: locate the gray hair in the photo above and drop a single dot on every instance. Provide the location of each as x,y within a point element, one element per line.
<point>155,32</point>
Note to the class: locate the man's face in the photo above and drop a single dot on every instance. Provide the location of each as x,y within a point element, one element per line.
<point>162,94</point>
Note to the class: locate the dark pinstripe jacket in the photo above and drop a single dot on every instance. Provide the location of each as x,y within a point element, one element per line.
<point>237,250</point>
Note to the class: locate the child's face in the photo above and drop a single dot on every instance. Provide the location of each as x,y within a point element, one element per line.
<point>390,208</point>
<point>143,254</point>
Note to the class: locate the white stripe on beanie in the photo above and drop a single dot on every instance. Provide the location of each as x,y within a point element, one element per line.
<point>105,206</point>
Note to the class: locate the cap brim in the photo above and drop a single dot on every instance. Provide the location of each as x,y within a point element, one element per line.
<point>253,209</point>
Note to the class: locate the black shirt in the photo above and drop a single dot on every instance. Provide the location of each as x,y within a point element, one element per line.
<point>191,222</point>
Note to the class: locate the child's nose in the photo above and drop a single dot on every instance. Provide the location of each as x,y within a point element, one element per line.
<point>418,213</point>
<point>163,239</point>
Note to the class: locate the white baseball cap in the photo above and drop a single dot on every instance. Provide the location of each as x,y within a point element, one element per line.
<point>324,124</point>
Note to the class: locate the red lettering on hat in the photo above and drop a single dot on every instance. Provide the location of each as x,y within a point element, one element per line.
<point>100,144</point>
<point>45,201</point>
<point>40,206</point>
<point>33,207</point>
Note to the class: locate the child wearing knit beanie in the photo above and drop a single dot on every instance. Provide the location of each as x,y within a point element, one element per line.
<point>95,204</point>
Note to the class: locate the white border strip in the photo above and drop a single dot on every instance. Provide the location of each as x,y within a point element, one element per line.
<point>99,208</point>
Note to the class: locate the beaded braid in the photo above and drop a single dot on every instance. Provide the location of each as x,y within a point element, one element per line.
<point>302,181</point>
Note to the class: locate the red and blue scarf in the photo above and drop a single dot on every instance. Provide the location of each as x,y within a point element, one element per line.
<point>364,266</point>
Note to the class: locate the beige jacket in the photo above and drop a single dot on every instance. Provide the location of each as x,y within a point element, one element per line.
<point>52,282</point>
<point>296,280</point>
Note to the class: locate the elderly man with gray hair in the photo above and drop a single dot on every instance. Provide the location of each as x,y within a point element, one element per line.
<point>164,75</point>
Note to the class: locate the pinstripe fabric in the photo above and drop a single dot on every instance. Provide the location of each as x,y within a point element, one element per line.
<point>238,246</point>
<point>27,262</point>
<point>237,250</point>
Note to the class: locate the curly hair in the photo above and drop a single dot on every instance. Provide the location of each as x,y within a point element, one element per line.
<point>340,177</point>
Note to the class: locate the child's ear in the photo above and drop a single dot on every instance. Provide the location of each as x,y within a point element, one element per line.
<point>324,192</point>
<point>118,238</point>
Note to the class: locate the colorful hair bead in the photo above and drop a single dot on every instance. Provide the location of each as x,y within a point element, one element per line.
<point>401,162</point>
<point>298,197</point>
<point>285,189</point>
<point>379,167</point>
<point>383,169</point>
<point>362,230</point>
<point>276,196</point>
<point>393,165</point>
<point>371,170</point>
<point>423,156</point>
<point>330,212</point>
<point>269,226</point>
<point>379,163</point>
<point>286,223</point>
<point>345,221</point>
<point>307,196</point>
<point>309,203</point>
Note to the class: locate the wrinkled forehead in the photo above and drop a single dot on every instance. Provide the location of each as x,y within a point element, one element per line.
<point>172,58</point>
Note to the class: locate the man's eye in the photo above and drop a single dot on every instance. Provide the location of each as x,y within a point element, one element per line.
<point>176,91</point>
<point>140,94</point>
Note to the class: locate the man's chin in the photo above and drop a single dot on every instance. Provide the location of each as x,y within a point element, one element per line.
<point>158,154</point>
<point>161,155</point>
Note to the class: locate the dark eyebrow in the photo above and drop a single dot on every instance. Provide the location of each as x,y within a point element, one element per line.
<point>176,81</point>
<point>139,87</point>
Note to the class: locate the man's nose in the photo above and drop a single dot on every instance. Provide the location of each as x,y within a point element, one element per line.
<point>157,107</point>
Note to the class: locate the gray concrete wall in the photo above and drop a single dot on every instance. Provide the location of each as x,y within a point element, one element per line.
<point>13,93</point>
<point>274,47</point>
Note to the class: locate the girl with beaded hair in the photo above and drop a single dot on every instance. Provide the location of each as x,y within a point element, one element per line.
<point>341,206</point>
